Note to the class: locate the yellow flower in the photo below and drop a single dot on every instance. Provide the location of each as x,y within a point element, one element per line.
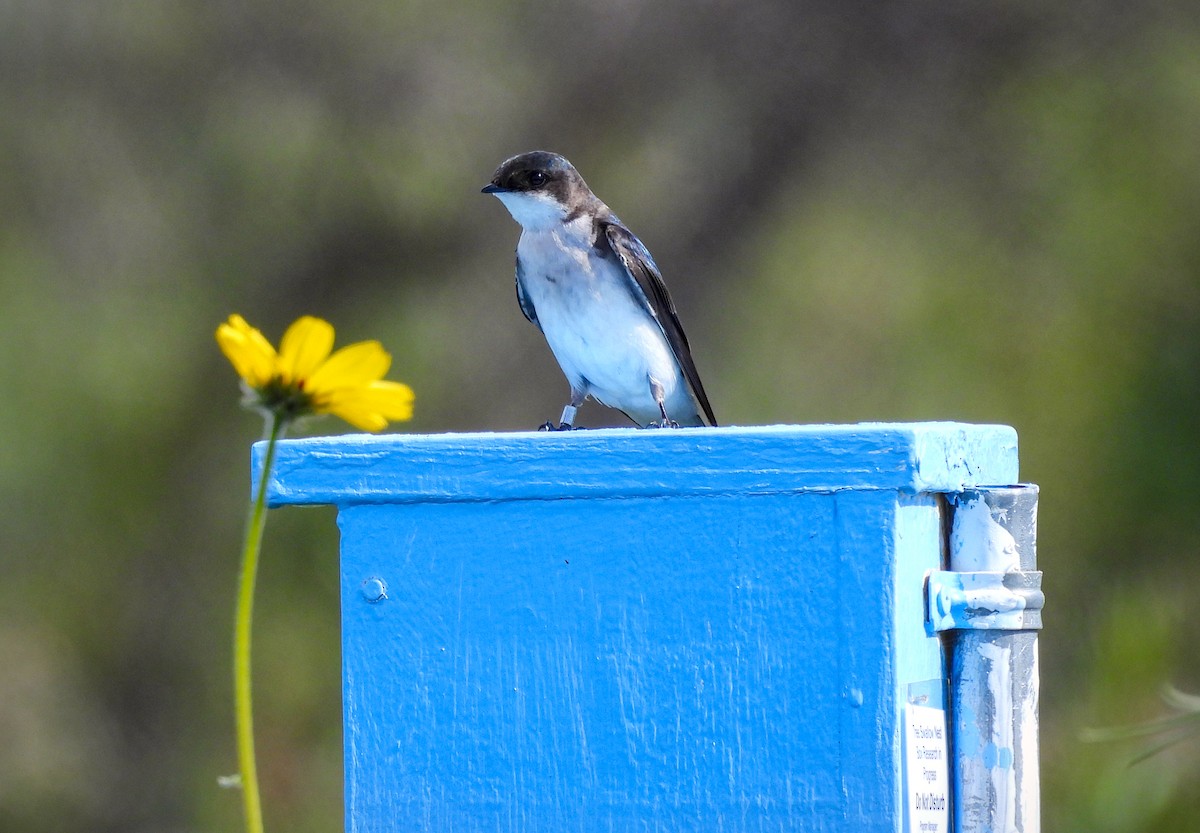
<point>303,378</point>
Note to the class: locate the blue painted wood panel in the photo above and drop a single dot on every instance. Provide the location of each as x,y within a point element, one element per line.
<point>394,468</point>
<point>636,630</point>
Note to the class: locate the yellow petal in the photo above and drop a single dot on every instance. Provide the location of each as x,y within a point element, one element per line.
<point>362,419</point>
<point>251,355</point>
<point>305,345</point>
<point>371,406</point>
<point>393,400</point>
<point>352,365</point>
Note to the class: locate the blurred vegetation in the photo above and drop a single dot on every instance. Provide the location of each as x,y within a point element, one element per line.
<point>865,211</point>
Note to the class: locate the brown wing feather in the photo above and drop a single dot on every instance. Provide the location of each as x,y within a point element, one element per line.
<point>641,268</point>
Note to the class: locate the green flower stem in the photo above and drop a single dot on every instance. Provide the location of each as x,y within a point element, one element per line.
<point>247,768</point>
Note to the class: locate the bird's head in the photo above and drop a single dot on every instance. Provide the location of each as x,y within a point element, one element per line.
<point>539,189</point>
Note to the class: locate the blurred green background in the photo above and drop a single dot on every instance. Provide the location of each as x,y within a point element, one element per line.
<point>865,211</point>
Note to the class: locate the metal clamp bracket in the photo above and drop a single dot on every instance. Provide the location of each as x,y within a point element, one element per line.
<point>1009,601</point>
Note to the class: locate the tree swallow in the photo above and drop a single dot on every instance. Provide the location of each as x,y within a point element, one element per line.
<point>593,290</point>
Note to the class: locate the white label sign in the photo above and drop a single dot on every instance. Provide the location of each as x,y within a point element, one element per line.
<point>926,769</point>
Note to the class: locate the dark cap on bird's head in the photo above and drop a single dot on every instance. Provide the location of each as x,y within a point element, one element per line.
<point>537,170</point>
<point>540,188</point>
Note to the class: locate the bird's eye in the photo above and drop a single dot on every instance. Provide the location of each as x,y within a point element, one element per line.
<point>537,179</point>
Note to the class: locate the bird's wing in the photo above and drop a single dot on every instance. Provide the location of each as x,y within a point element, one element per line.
<point>524,300</point>
<point>640,267</point>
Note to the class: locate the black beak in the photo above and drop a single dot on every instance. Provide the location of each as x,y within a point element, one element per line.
<point>492,188</point>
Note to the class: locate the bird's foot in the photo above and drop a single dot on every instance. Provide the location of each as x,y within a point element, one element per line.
<point>666,423</point>
<point>565,426</point>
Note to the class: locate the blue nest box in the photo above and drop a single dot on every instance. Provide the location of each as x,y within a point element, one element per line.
<point>659,630</point>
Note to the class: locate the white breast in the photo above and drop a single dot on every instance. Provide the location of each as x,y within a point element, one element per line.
<point>607,343</point>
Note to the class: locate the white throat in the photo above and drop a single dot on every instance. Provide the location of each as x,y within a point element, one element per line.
<point>535,211</point>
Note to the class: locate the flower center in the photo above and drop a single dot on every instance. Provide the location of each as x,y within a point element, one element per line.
<point>288,400</point>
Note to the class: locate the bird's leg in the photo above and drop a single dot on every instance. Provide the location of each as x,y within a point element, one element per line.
<point>567,421</point>
<point>656,389</point>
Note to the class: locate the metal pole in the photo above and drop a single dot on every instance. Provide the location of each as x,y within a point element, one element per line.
<point>991,602</point>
